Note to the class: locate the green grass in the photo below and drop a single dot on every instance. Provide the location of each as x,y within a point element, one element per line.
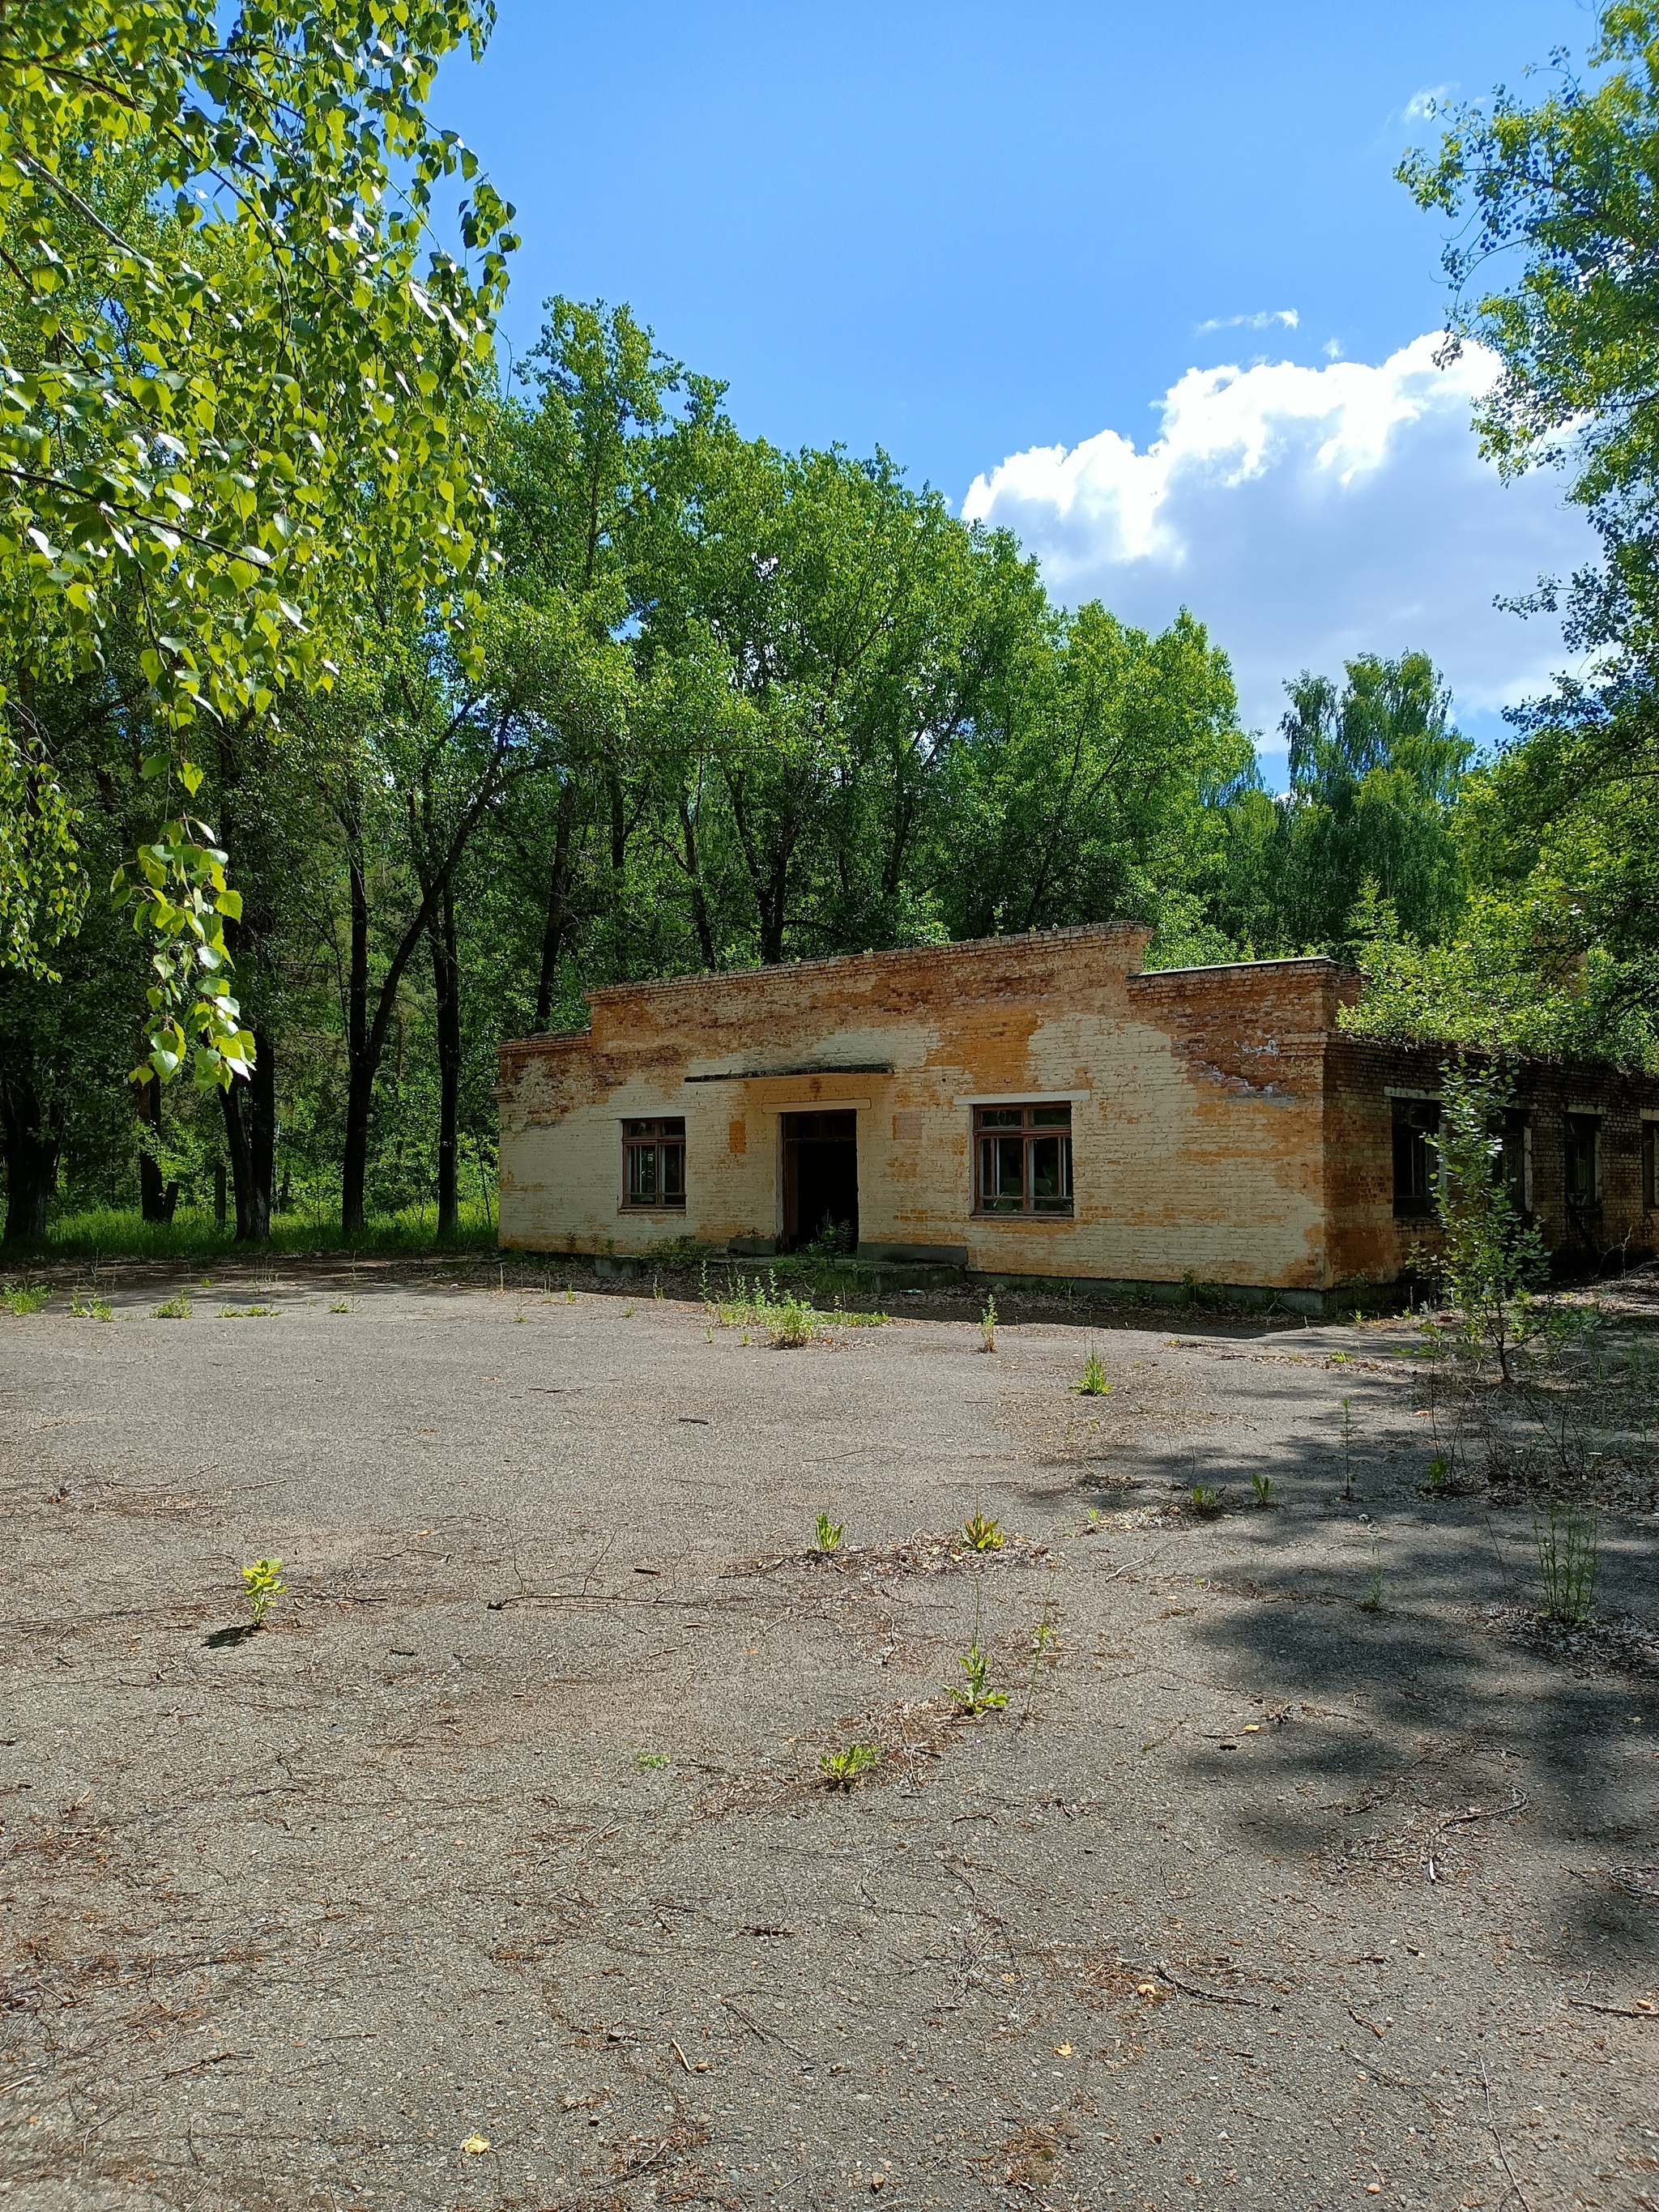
<point>114,1232</point>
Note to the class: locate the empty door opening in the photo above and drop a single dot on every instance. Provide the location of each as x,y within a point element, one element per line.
<point>820,1179</point>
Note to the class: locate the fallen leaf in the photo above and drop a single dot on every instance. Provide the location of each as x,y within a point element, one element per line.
<point>474,2144</point>
<point>1252,1727</point>
<point>1062,2050</point>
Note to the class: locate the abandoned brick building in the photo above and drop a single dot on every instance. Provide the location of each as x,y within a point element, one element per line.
<point>1038,1107</point>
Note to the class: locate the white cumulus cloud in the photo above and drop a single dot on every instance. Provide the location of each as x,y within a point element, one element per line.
<point>1306,515</point>
<point>1287,317</point>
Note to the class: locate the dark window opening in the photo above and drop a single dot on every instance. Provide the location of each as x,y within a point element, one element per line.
<point>821,1181</point>
<point>1650,1164</point>
<point>1416,1155</point>
<point>1583,1161</point>
<point>1509,1162</point>
<point>1023,1159</point>
<point>654,1164</point>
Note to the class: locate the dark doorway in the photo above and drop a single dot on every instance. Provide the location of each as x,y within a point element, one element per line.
<point>820,1179</point>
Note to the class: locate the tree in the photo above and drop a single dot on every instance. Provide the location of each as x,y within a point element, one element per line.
<point>219,352</point>
<point>1375,771</point>
<point>1568,832</point>
<point>1082,799</point>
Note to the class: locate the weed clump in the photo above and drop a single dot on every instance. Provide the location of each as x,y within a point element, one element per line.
<point>842,1769</point>
<point>24,1298</point>
<point>1092,1382</point>
<point>981,1533</point>
<point>1266,1494</point>
<point>175,1309</point>
<point>1205,1500</point>
<point>1568,1536</point>
<point>974,1696</point>
<point>828,1535</point>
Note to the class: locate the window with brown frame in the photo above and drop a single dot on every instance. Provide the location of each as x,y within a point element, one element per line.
<point>1022,1159</point>
<point>653,1164</point>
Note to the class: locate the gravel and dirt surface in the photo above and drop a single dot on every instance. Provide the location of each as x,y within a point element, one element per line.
<point>497,1868</point>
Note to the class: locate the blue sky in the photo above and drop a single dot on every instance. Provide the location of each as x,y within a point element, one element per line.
<point>999,241</point>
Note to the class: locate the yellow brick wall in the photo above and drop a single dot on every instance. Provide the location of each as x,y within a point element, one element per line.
<point>1196,1106</point>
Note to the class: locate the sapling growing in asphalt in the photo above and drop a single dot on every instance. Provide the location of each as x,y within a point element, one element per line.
<point>988,1324</point>
<point>264,1582</point>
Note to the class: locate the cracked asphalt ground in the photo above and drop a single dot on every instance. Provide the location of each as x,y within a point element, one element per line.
<point>508,1828</point>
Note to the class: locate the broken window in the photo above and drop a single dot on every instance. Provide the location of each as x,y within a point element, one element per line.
<point>1584,1162</point>
<point>1416,1155</point>
<point>1023,1159</point>
<point>653,1163</point>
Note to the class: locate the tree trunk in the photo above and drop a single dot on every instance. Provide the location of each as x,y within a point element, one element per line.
<point>360,1088</point>
<point>152,1198</point>
<point>31,1151</point>
<point>249,1113</point>
<point>262,1135</point>
<point>446,986</point>
<point>558,895</point>
<point>241,1161</point>
<point>693,865</point>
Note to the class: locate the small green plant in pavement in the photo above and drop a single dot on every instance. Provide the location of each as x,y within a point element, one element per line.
<point>175,1309</point>
<point>1373,1601</point>
<point>829,1534</point>
<point>263,1582</point>
<point>974,1696</point>
<point>646,1760</point>
<point>1092,1382</point>
<point>1265,1493</point>
<point>24,1298</point>
<point>842,1769</point>
<point>1206,1500</point>
<point>987,1324</point>
<point>981,1533</point>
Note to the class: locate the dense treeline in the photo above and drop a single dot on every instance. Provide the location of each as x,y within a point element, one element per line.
<point>572,682</point>
<point>717,704</point>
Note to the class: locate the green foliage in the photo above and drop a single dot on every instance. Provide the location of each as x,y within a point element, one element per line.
<point>1492,1261</point>
<point>1265,1489</point>
<point>981,1533</point>
<point>988,1324</point>
<point>651,1761</point>
<point>1558,196</point>
<point>177,1307</point>
<point>231,391</point>
<point>1092,1382</point>
<point>25,1297</point>
<point>263,1582</point>
<point>973,1695</point>
<point>795,1322</point>
<point>829,1534</point>
<point>1207,1500</point>
<point>843,1769</point>
<point>1568,1538</point>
